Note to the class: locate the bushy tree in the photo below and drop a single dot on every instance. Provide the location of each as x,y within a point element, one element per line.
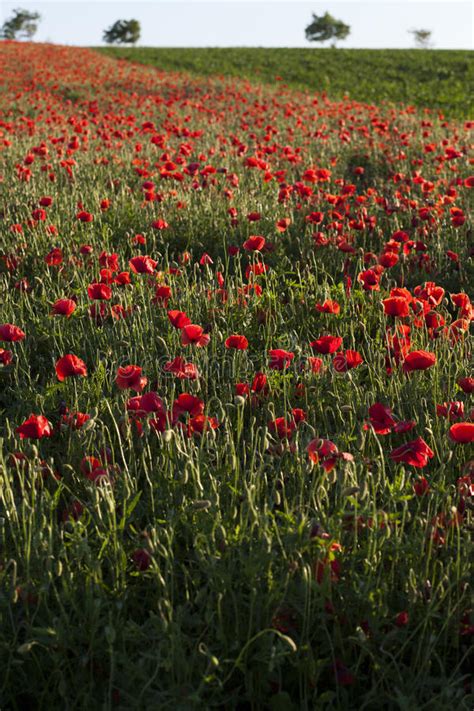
<point>123,32</point>
<point>422,38</point>
<point>22,25</point>
<point>326,27</point>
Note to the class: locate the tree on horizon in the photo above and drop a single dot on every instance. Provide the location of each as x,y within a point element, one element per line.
<point>123,32</point>
<point>326,27</point>
<point>22,25</point>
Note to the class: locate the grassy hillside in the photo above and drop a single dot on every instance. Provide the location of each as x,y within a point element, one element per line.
<point>432,78</point>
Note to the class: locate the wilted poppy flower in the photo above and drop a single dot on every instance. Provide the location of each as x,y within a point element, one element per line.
<point>418,360</point>
<point>63,307</point>
<point>142,265</point>
<point>240,343</point>
<point>326,344</point>
<point>130,377</point>
<point>178,319</point>
<point>280,359</point>
<point>70,365</point>
<point>194,335</point>
<point>35,427</point>
<point>415,453</point>
<point>254,243</point>
<point>11,333</point>
<point>462,432</point>
<point>347,360</point>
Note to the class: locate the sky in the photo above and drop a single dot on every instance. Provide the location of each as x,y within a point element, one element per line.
<point>252,23</point>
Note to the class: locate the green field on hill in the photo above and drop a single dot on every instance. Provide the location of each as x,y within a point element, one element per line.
<point>437,79</point>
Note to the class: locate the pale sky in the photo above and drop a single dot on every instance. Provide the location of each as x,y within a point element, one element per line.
<point>253,23</point>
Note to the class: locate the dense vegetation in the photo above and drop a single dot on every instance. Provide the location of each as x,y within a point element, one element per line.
<point>236,464</point>
<point>439,79</point>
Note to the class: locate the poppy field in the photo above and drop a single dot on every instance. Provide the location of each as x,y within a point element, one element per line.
<point>236,417</point>
<point>432,78</point>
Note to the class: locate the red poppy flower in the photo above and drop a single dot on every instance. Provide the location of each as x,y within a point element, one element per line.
<point>84,216</point>
<point>259,384</point>
<point>451,410</point>
<point>201,423</point>
<point>254,243</point>
<point>63,307</point>
<point>160,224</point>
<point>370,280</point>
<point>100,292</point>
<point>240,343</point>
<point>315,218</point>
<point>75,420</point>
<point>205,259</point>
<point>35,427</point>
<point>421,486</point>
<point>130,377</point>
<point>11,333</point>
<point>418,360</point>
<point>182,370</point>
<point>396,306</point>
<point>141,559</point>
<point>194,335</point>
<point>315,364</point>
<point>54,258</point>
<point>347,360</point>
<point>326,453</point>
<point>142,265</point>
<point>6,357</point>
<point>462,432</point>
<point>326,344</point>
<point>178,319</point>
<point>242,389</point>
<point>282,428</point>
<point>328,307</point>
<point>415,453</point>
<point>187,404</point>
<point>70,365</point>
<point>280,359</point>
<point>380,419</point>
<point>145,404</point>
<point>162,294</point>
<point>283,224</point>
<point>466,384</point>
